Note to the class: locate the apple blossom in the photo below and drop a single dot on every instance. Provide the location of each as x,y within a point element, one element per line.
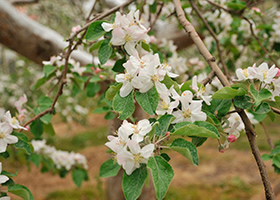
<point>263,73</point>
<point>117,144</point>
<point>200,90</point>
<point>130,160</point>
<point>231,138</point>
<point>13,122</point>
<point>6,137</point>
<point>190,112</point>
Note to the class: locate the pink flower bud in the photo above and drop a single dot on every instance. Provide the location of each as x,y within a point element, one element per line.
<point>222,151</point>
<point>92,68</point>
<point>100,76</point>
<point>231,138</point>
<point>167,134</point>
<point>97,70</point>
<point>256,9</point>
<point>76,28</point>
<point>278,73</point>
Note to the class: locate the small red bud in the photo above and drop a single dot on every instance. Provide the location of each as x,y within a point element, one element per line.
<point>97,70</point>
<point>231,138</point>
<point>100,76</point>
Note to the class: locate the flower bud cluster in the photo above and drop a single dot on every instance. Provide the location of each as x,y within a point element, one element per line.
<point>61,159</point>
<point>126,146</point>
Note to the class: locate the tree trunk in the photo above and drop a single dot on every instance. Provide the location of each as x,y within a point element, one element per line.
<point>31,39</point>
<point>114,184</point>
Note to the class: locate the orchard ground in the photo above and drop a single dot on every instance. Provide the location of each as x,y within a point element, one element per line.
<point>232,175</point>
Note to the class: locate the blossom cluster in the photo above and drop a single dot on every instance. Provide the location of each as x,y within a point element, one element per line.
<point>127,145</point>
<point>7,125</point>
<point>268,76</point>
<point>61,159</point>
<point>127,30</point>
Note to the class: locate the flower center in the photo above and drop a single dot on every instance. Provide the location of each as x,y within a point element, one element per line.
<point>164,105</point>
<point>128,77</point>
<point>187,113</point>
<point>245,73</point>
<point>14,120</point>
<point>127,38</point>
<point>155,78</point>
<point>264,72</point>
<point>2,135</point>
<point>136,130</point>
<point>137,158</point>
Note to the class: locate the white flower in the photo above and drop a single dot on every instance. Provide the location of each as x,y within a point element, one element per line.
<point>140,130</point>
<point>117,144</point>
<point>6,137</point>
<point>3,178</point>
<point>190,112</point>
<point>263,73</point>
<point>13,122</point>
<point>199,91</point>
<point>132,160</point>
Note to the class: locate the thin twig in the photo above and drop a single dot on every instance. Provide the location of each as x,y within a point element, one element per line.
<point>267,136</point>
<point>276,110</point>
<point>157,16</point>
<point>208,79</point>
<point>142,9</point>
<point>250,132</point>
<point>91,11</point>
<point>214,36</point>
<point>259,42</point>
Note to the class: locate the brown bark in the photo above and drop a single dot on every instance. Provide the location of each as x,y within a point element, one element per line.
<point>31,39</point>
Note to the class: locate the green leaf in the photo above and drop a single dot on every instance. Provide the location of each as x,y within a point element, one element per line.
<point>276,160</point>
<point>37,128</point>
<point>194,130</point>
<point>21,191</point>
<point>148,101</point>
<point>185,148</point>
<point>95,31</point>
<point>124,105</point>
<point>27,147</point>
<point>110,116</point>
<point>198,141</point>
<point>162,174</point>
<point>48,128</point>
<point>47,117</point>
<point>133,184</point>
<point>145,46</point>
<point>277,100</point>
<point>218,107</point>
<point>243,102</point>
<point>112,91</point>
<point>5,154</point>
<point>48,70</point>
<point>78,176</point>
<point>165,156</point>
<point>9,174</point>
<point>263,108</point>
<point>95,45</point>
<point>275,151</point>
<point>20,136</point>
<point>187,86</point>
<point>36,159</point>
<point>105,51</point>
<point>271,115</point>
<point>207,125</point>
<point>228,93</point>
<point>164,122</point>
<point>169,82</point>
<point>39,83</point>
<point>118,66</point>
<point>101,110</point>
<point>92,89</point>
<point>109,168</point>
<point>259,96</point>
<point>44,101</point>
<point>266,157</point>
<point>236,5</point>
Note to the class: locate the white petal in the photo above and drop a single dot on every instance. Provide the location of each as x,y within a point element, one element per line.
<point>129,167</point>
<point>3,179</point>
<point>11,139</point>
<point>133,146</point>
<point>147,150</point>
<point>126,89</point>
<point>106,26</point>
<point>3,145</point>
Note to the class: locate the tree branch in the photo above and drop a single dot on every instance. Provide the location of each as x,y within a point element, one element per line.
<point>208,79</point>
<point>250,132</point>
<point>214,36</point>
<point>267,136</point>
